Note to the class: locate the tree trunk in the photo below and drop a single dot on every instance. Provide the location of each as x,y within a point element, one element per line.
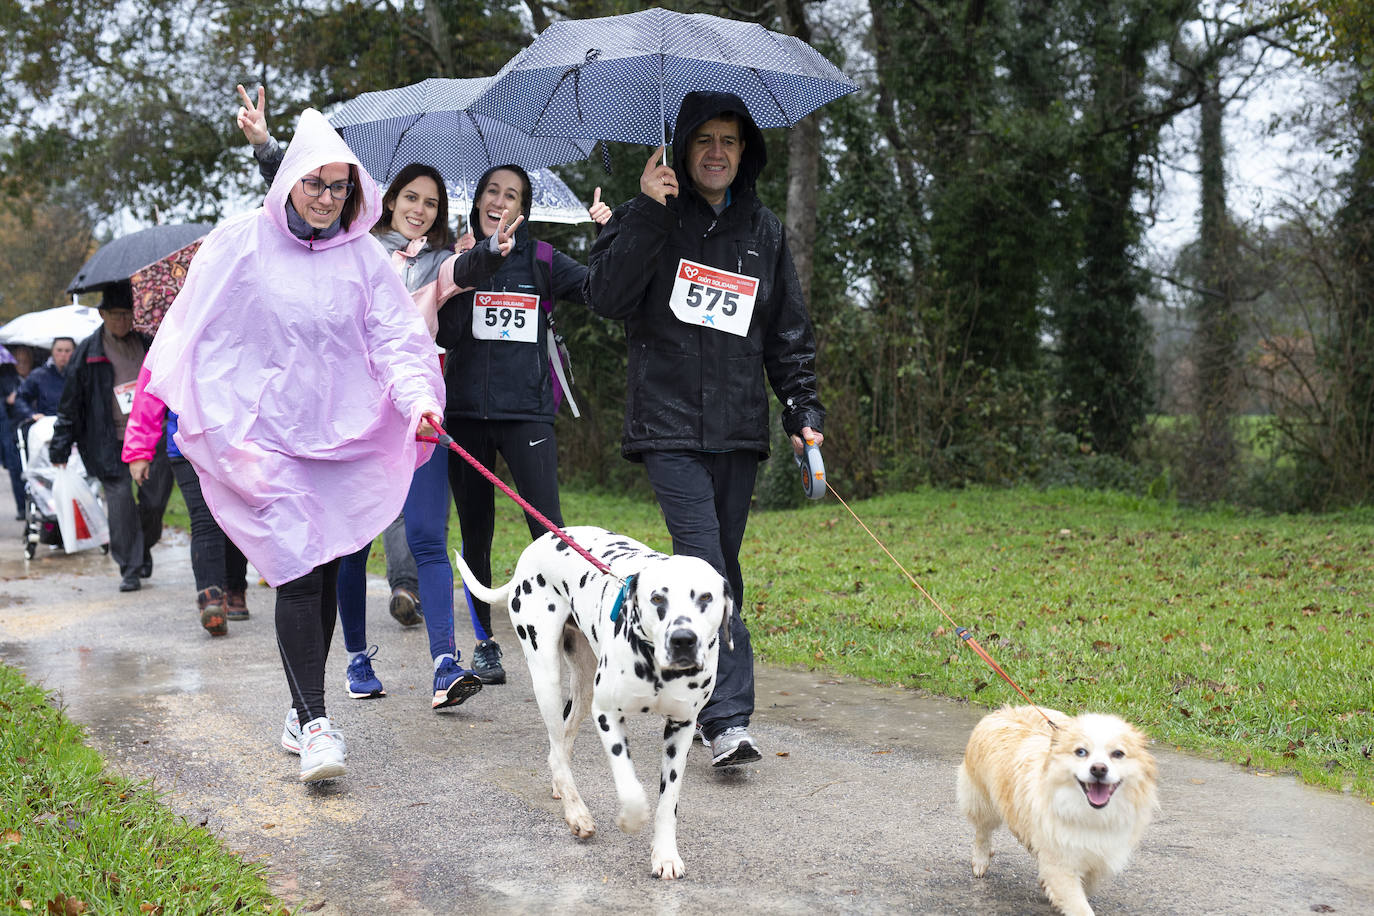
<point>1217,335</point>
<point>803,165</point>
<point>438,37</point>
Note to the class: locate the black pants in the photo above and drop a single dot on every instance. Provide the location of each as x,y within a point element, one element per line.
<point>9,454</point>
<point>705,501</point>
<point>136,522</point>
<point>306,611</point>
<point>531,453</point>
<point>215,561</point>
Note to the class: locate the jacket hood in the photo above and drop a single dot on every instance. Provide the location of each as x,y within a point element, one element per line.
<point>698,108</point>
<point>526,201</point>
<point>316,143</point>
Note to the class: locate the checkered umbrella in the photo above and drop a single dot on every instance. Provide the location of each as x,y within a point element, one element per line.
<point>430,122</point>
<point>623,77</point>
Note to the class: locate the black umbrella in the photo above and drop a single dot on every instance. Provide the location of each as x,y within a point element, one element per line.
<point>121,258</point>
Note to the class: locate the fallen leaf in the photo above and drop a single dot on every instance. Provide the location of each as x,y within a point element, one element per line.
<point>783,754</point>
<point>12,837</point>
<point>26,904</point>
<point>314,907</point>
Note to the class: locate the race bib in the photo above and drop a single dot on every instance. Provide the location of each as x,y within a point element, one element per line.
<point>124,396</point>
<point>505,316</point>
<point>713,298</point>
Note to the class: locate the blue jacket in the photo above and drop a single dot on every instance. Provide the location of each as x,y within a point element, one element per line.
<point>41,392</point>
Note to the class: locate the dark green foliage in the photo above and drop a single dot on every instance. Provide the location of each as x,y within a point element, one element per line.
<point>980,208</point>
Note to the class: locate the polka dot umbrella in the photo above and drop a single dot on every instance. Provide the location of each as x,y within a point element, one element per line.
<point>623,77</point>
<point>430,122</point>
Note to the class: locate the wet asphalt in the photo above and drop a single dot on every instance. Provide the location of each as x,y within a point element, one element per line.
<point>851,810</point>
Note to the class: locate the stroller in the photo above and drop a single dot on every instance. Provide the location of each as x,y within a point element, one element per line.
<point>41,522</point>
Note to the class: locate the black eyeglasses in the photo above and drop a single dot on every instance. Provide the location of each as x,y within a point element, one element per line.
<point>339,190</point>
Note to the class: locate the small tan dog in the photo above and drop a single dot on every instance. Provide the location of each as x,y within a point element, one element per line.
<point>1077,797</point>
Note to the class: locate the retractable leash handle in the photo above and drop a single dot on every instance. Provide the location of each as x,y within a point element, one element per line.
<point>812,470</point>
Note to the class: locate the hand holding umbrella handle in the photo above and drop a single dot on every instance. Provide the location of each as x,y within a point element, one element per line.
<point>658,181</point>
<point>252,119</point>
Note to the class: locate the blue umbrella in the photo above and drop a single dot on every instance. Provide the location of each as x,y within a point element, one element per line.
<point>430,122</point>
<point>623,77</point>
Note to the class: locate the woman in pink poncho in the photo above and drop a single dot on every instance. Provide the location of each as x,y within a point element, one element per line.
<point>301,372</point>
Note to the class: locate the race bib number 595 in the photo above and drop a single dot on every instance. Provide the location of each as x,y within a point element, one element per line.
<point>505,316</point>
<point>713,298</point>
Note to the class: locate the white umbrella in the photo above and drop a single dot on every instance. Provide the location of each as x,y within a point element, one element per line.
<point>552,201</point>
<point>37,329</point>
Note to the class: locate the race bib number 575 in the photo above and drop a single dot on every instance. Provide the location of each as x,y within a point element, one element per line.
<point>713,298</point>
<point>505,316</point>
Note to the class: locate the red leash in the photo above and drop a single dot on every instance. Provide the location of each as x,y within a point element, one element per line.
<point>444,440</point>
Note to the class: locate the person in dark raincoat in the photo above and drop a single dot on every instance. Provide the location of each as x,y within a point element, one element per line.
<point>700,272</point>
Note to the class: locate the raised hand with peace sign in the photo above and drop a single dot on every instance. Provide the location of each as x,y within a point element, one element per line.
<point>505,233</point>
<point>252,119</point>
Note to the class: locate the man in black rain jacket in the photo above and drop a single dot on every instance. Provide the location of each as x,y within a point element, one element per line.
<point>700,272</point>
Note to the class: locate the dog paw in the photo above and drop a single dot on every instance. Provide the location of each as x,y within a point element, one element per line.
<point>668,867</point>
<point>583,826</point>
<point>980,865</point>
<point>632,815</point>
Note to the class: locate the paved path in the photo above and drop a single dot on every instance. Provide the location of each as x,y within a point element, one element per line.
<point>851,810</point>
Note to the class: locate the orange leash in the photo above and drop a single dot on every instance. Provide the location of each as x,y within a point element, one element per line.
<point>962,632</point>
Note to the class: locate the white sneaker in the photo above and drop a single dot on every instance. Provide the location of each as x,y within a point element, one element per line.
<point>322,751</point>
<point>291,732</point>
<point>733,747</point>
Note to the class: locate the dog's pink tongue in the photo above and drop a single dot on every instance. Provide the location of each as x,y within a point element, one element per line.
<point>1099,793</point>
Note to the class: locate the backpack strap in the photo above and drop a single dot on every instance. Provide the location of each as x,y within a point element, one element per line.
<point>543,284</point>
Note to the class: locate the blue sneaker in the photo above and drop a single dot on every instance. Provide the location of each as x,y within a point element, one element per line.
<point>360,680</point>
<point>453,684</point>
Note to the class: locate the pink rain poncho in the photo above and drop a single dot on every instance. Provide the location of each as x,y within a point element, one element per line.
<point>299,371</point>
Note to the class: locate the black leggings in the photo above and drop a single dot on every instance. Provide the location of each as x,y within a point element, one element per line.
<point>215,561</point>
<point>306,611</point>
<point>531,453</point>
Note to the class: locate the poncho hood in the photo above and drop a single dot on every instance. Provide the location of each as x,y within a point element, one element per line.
<point>299,371</point>
<point>317,144</point>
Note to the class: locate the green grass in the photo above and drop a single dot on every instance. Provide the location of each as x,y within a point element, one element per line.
<point>74,839</point>
<point>1243,637</point>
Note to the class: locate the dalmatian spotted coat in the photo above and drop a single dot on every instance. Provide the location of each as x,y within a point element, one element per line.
<point>658,656</point>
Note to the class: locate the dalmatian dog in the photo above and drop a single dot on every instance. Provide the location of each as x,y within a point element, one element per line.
<point>658,655</point>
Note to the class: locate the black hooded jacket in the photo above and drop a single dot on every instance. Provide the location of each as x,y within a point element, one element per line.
<point>85,416</point>
<point>495,379</point>
<point>693,387</point>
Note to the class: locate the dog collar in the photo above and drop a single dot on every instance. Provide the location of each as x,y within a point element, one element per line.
<point>620,598</point>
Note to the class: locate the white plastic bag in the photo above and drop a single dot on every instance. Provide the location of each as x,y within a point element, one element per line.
<point>80,516</point>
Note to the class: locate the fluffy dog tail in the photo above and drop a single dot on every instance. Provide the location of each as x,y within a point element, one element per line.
<point>499,597</point>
